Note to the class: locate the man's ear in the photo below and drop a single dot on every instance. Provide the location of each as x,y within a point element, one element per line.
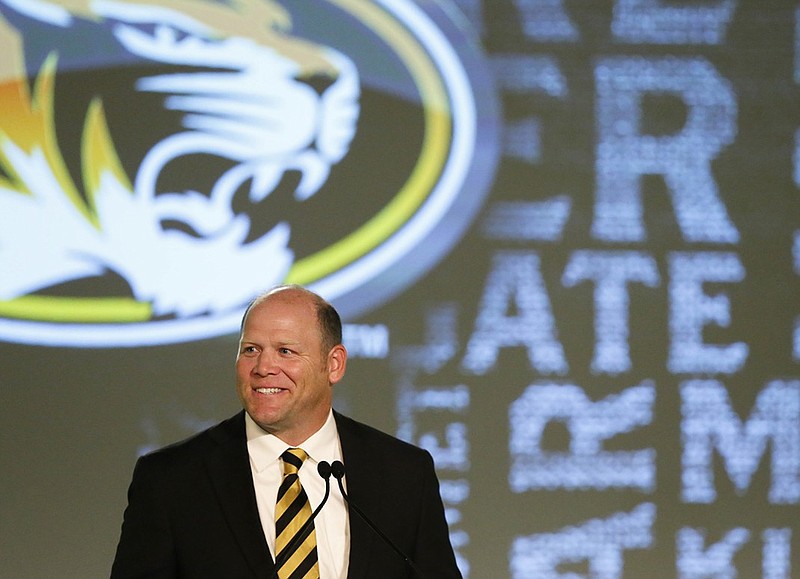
<point>337,363</point>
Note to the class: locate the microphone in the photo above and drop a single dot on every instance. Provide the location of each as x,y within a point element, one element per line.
<point>337,470</point>
<point>324,470</point>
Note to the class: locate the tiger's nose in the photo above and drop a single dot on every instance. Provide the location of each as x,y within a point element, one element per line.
<point>318,82</point>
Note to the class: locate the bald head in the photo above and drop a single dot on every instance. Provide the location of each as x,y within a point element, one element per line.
<point>328,320</point>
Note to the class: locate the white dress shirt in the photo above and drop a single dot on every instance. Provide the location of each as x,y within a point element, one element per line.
<point>331,524</point>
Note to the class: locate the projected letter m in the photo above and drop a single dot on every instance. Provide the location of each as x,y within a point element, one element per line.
<point>710,423</point>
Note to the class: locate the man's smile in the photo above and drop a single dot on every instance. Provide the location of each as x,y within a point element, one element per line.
<point>269,390</point>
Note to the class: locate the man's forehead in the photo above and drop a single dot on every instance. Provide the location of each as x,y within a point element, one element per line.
<point>281,314</point>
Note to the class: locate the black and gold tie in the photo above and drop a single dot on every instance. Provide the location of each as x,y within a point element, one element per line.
<point>296,558</point>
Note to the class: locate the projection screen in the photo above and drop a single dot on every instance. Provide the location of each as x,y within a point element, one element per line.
<point>563,237</point>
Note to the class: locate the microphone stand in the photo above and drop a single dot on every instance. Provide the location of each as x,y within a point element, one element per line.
<point>337,470</point>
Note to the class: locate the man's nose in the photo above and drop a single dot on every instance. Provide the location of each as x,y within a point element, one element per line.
<point>265,364</point>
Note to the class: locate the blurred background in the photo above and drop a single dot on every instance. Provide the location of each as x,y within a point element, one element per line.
<point>563,236</point>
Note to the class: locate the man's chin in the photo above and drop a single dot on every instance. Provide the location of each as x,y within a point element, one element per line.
<point>268,419</point>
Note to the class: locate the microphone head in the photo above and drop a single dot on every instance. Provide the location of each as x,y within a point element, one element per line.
<point>337,469</point>
<point>324,469</point>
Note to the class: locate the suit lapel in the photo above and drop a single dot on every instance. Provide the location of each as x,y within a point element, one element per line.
<point>228,467</point>
<point>360,487</point>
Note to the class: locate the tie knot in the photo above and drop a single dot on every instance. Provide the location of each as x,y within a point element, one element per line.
<point>293,459</point>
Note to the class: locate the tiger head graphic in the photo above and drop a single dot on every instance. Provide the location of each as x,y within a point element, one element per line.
<point>218,109</point>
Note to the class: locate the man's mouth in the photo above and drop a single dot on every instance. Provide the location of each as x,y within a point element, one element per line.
<point>269,390</point>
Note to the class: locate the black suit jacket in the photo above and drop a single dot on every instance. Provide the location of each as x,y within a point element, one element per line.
<point>192,509</point>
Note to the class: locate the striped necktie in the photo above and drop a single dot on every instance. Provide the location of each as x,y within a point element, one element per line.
<point>298,556</point>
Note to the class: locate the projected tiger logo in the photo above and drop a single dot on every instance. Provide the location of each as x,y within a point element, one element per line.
<point>164,161</point>
<point>230,110</point>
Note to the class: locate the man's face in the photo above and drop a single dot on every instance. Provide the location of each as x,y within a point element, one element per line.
<point>283,377</point>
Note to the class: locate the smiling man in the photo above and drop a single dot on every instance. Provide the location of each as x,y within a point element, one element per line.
<point>290,356</point>
<point>223,502</point>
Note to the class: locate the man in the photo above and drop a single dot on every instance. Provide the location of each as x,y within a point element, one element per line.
<point>206,507</point>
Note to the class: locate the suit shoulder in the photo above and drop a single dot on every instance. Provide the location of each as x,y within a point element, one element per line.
<point>379,440</point>
<point>197,444</point>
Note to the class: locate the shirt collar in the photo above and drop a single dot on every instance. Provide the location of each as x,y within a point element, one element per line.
<point>265,448</point>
